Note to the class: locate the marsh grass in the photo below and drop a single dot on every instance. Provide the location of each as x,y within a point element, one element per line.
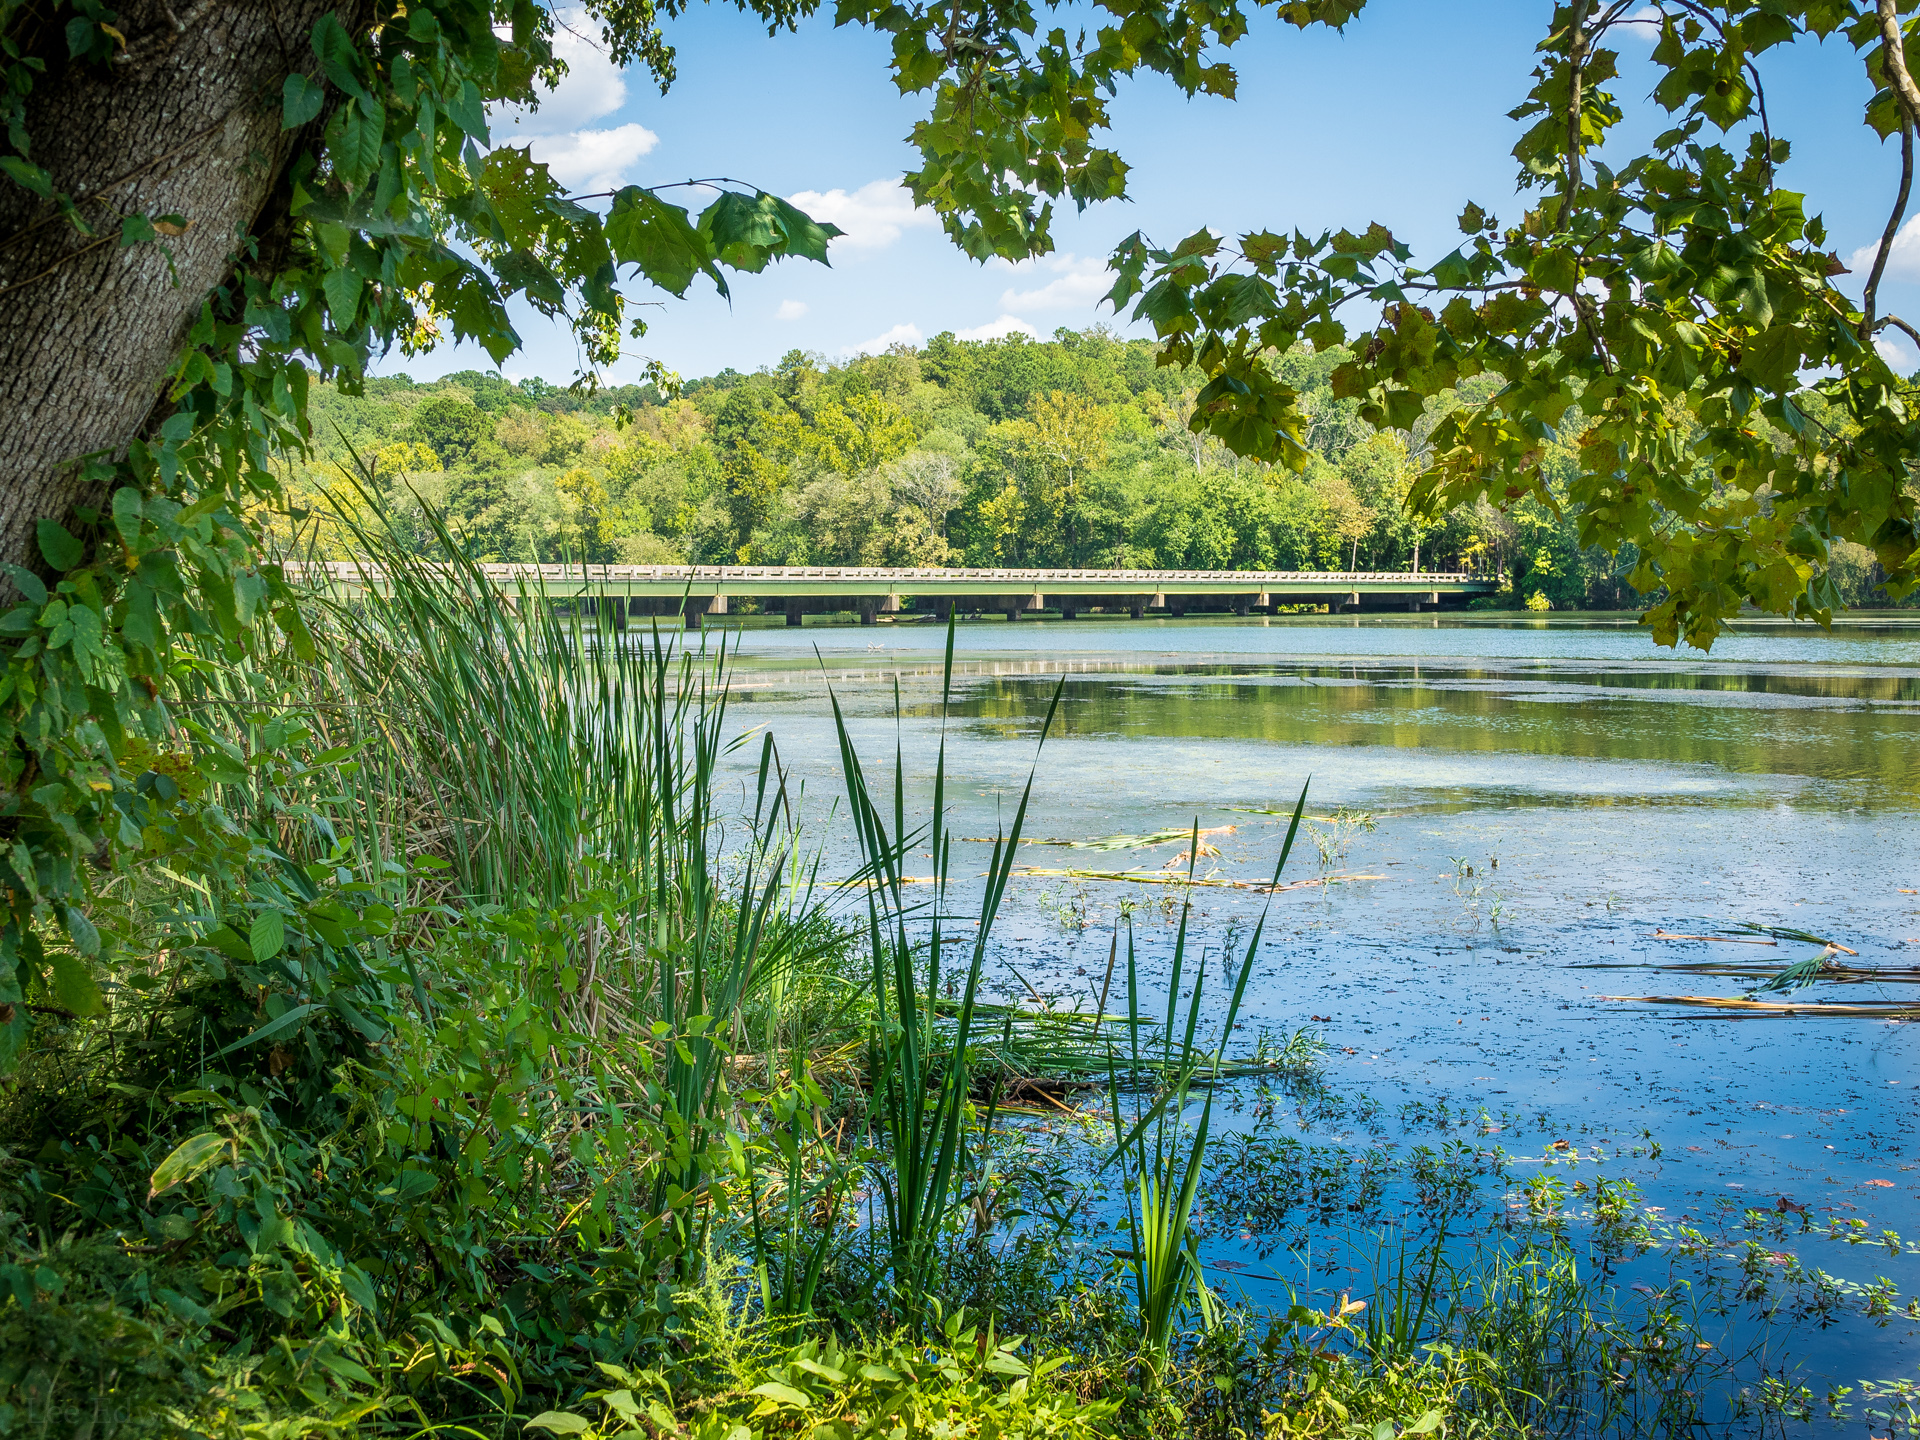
<point>1161,1168</point>
<point>921,1059</point>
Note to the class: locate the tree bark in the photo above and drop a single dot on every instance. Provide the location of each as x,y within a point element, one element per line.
<point>185,121</point>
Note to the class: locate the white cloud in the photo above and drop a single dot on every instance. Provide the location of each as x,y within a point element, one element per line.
<point>591,88</point>
<point>594,159</point>
<point>1080,285</point>
<point>1644,23</point>
<point>999,330</point>
<point>561,131</point>
<point>873,216</point>
<point>790,310</point>
<point>1902,263</point>
<point>1897,353</point>
<point>907,334</point>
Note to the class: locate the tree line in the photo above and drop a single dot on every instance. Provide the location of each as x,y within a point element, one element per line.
<point>1072,451</point>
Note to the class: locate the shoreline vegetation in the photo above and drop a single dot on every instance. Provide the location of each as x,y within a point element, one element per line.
<point>1071,451</point>
<point>480,1064</point>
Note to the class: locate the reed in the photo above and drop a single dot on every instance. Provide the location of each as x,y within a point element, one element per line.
<point>563,765</point>
<point>1162,1173</point>
<point>920,1066</point>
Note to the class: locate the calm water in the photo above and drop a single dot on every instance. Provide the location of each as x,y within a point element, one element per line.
<point>1598,789</point>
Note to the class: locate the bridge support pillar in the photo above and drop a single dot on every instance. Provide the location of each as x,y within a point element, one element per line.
<point>698,606</point>
<point>1069,610</point>
<point>869,607</point>
<point>1242,606</point>
<point>796,613</point>
<point>1137,609</point>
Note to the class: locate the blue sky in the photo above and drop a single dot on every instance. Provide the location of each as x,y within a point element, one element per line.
<point>1402,119</point>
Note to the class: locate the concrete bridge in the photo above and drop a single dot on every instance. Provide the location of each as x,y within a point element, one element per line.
<point>696,591</point>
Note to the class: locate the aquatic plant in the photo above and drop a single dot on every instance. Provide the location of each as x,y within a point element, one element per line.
<point>1161,1175</point>
<point>920,1063</point>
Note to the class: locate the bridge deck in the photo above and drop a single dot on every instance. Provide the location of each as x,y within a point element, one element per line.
<point>1030,588</point>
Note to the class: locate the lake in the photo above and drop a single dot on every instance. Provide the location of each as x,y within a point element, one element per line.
<point>1531,803</point>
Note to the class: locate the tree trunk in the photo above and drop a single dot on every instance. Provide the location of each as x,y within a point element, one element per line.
<point>185,122</point>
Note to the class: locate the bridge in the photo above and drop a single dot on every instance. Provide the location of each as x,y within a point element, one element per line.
<point>699,591</point>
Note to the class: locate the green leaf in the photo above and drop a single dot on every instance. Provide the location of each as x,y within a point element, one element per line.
<point>805,236</point>
<point>74,987</point>
<point>301,100</point>
<point>359,1288</point>
<point>644,230</point>
<point>344,1008</point>
<point>520,270</point>
<point>271,1029</point>
<point>227,941</point>
<point>742,229</point>
<point>85,938</point>
<point>59,545</point>
<point>27,583</point>
<point>268,936</point>
<point>27,174</point>
<point>249,589</point>
<point>337,55</point>
<point>342,288</point>
<point>468,112</point>
<point>559,1422</point>
<point>345,1368</point>
<point>355,145</point>
<point>127,508</point>
<point>785,1394</point>
<point>192,1157</point>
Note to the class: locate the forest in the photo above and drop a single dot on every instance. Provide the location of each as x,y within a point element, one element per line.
<point>1073,451</point>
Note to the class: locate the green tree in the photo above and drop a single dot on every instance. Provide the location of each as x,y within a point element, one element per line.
<point>1675,308</point>
<point>451,427</point>
<point>586,513</point>
<point>1064,439</point>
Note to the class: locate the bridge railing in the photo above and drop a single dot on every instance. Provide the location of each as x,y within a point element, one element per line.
<point>351,571</point>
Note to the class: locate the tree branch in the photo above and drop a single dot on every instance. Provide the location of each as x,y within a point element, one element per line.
<point>1899,324</point>
<point>1871,297</point>
<point>1576,69</point>
<point>1893,60</point>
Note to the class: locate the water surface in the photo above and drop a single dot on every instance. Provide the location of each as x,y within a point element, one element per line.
<point>1545,796</point>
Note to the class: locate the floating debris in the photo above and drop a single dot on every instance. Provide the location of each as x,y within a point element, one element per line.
<point>1211,882</point>
<point>1890,1008</point>
<point>1121,842</point>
